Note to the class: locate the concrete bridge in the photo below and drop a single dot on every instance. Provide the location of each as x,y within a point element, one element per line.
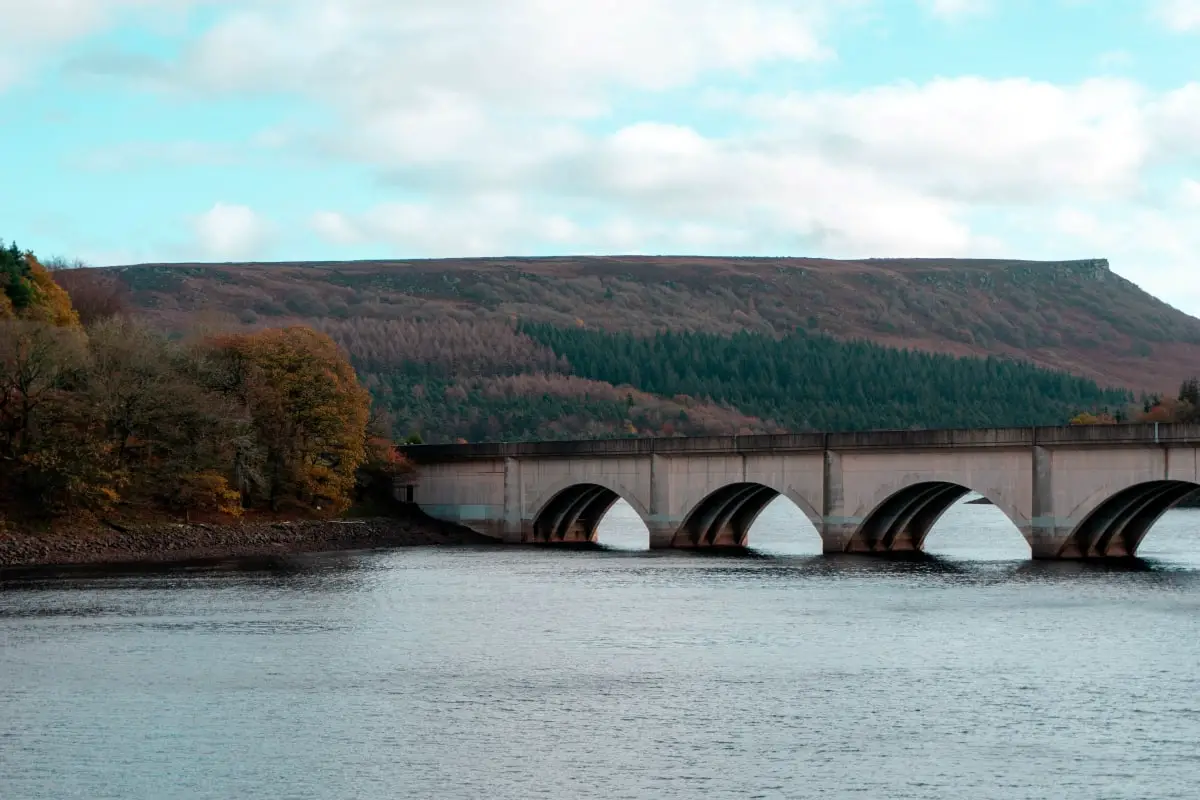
<point>1079,492</point>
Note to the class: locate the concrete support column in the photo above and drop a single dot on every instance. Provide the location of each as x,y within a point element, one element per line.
<point>836,528</point>
<point>513,502</point>
<point>1044,536</point>
<point>662,528</point>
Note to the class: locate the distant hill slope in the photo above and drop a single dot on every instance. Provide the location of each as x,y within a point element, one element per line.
<point>596,347</point>
<point>1075,316</point>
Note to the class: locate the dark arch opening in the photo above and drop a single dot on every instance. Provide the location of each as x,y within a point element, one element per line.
<point>902,522</point>
<point>1117,527</point>
<point>726,516</point>
<point>573,516</point>
<point>723,518</point>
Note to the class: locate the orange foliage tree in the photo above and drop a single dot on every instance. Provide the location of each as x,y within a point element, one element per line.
<point>1088,418</point>
<point>308,411</point>
<point>28,292</point>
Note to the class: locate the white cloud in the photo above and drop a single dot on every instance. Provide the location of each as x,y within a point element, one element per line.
<point>1182,16</point>
<point>1175,119</point>
<point>955,9</point>
<point>336,227</point>
<point>1189,197</point>
<point>893,170</point>
<point>532,54</point>
<point>33,27</point>
<point>658,188</point>
<point>485,224</point>
<point>978,140</point>
<point>1154,246</point>
<point>228,232</point>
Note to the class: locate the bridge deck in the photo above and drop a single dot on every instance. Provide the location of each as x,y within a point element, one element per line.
<point>974,438</point>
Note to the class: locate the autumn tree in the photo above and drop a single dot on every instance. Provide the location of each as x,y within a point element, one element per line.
<point>1189,401</point>
<point>29,293</point>
<point>37,365</point>
<point>95,294</point>
<point>123,414</point>
<point>308,411</point>
<point>1088,418</point>
<point>1183,408</point>
<point>162,424</point>
<point>207,491</point>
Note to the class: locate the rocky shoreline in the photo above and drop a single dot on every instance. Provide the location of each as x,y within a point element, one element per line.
<point>166,543</point>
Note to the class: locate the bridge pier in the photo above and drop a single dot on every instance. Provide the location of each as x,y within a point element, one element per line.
<point>836,536</point>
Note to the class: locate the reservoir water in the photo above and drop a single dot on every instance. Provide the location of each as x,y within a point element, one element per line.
<point>523,673</point>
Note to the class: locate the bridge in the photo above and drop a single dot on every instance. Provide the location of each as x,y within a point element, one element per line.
<point>1078,492</point>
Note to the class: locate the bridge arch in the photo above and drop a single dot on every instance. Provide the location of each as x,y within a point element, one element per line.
<point>723,517</point>
<point>900,517</point>
<point>1116,524</point>
<point>571,511</point>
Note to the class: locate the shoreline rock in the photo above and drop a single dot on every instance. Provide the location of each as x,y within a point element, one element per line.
<point>166,543</point>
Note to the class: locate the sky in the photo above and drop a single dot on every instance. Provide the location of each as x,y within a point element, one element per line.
<point>218,130</point>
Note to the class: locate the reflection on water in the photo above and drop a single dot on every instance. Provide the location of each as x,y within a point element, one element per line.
<point>522,672</point>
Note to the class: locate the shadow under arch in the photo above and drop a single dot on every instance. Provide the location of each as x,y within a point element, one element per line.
<point>723,519</point>
<point>903,520</point>
<point>1119,524</point>
<point>573,515</point>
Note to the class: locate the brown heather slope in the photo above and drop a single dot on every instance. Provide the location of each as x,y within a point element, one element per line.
<point>1076,316</point>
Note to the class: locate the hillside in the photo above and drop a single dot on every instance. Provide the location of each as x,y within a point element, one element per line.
<point>540,348</point>
<point>1074,316</point>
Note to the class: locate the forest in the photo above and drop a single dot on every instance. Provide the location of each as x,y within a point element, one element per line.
<point>470,380</point>
<point>101,412</point>
<point>813,382</point>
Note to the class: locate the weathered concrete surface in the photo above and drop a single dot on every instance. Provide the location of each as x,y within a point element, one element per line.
<point>1080,492</point>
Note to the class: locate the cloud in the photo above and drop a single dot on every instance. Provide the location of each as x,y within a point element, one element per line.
<point>335,227</point>
<point>1154,245</point>
<point>902,169</point>
<point>486,224</point>
<point>952,10</point>
<point>659,188</point>
<point>1189,195</point>
<point>1181,16</point>
<point>531,54</point>
<point>977,140</point>
<point>1175,119</point>
<point>34,28</point>
<point>229,232</point>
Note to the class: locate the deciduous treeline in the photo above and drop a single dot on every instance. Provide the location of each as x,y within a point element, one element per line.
<point>118,413</point>
<point>1184,407</point>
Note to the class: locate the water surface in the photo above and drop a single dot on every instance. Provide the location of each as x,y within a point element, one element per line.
<point>519,673</point>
